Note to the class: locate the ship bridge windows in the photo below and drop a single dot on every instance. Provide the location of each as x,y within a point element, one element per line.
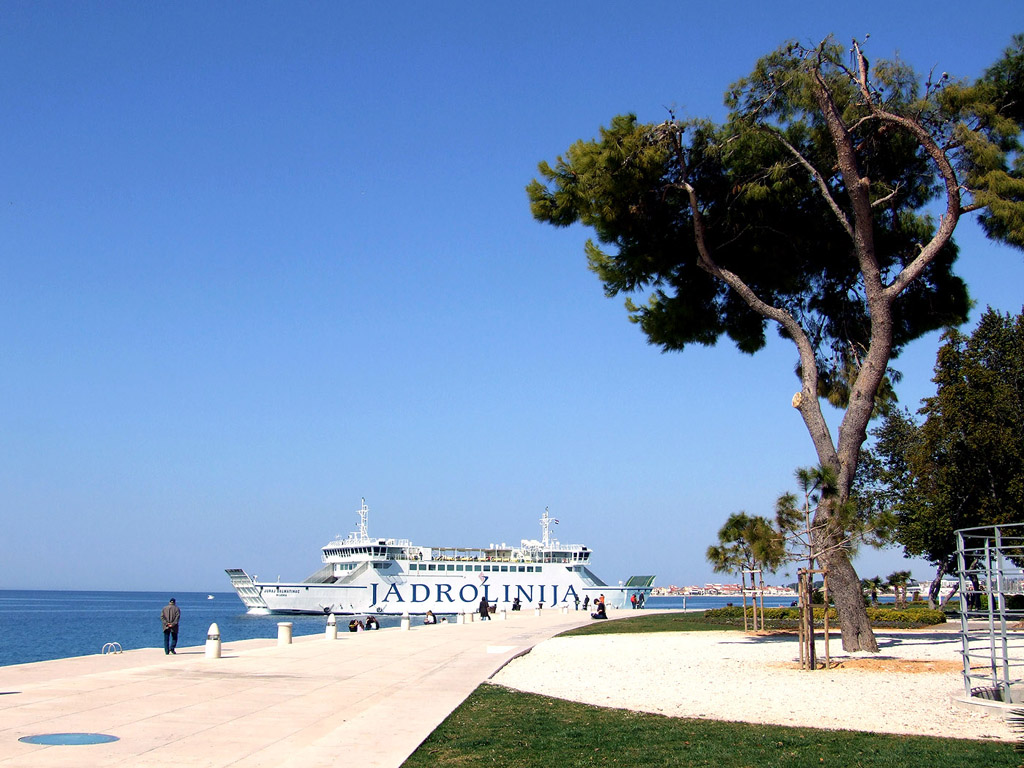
<point>463,567</point>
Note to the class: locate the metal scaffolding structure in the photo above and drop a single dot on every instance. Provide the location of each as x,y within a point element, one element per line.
<point>992,611</point>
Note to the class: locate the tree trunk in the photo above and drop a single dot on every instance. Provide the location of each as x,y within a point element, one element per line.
<point>935,599</point>
<point>935,588</point>
<point>953,593</point>
<point>844,587</point>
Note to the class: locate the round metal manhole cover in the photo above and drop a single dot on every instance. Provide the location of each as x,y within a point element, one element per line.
<point>68,739</point>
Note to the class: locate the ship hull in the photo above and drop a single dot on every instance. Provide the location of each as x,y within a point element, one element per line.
<point>556,587</point>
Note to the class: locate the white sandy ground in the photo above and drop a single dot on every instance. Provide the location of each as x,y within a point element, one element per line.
<point>756,679</point>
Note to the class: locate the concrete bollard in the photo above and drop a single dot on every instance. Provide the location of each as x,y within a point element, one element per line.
<point>461,619</point>
<point>565,609</point>
<point>502,614</point>
<point>537,610</point>
<point>284,633</point>
<point>213,642</point>
<point>406,621</point>
<point>331,632</point>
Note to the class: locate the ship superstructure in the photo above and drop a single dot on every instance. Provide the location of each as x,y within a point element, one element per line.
<point>362,574</point>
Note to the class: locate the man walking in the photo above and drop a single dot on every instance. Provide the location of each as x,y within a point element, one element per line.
<point>170,616</point>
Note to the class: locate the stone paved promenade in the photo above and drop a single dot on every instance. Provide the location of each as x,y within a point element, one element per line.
<point>365,699</point>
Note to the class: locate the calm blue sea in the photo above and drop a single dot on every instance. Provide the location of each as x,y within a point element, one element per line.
<point>703,603</point>
<point>41,625</point>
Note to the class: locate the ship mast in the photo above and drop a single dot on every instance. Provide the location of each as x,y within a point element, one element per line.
<point>363,512</point>
<point>545,524</point>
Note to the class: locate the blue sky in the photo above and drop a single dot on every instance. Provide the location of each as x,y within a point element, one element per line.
<point>260,260</point>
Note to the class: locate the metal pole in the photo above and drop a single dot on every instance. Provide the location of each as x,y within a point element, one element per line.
<point>964,628</point>
<point>1001,588</point>
<point>824,587</point>
<point>800,624</point>
<point>993,660</point>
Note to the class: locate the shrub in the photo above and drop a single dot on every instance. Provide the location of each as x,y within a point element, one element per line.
<point>911,616</point>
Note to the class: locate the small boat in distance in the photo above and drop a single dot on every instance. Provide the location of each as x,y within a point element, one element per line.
<point>209,597</point>
<point>362,574</point>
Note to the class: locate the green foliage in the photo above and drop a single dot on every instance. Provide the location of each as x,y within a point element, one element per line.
<point>911,616</point>
<point>498,726</point>
<point>668,621</point>
<point>762,209</point>
<point>746,542</point>
<point>782,618</point>
<point>996,104</point>
<point>871,587</point>
<point>964,466</point>
<point>808,208</point>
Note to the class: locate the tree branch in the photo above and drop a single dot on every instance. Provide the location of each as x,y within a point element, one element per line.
<point>820,181</point>
<point>807,402</point>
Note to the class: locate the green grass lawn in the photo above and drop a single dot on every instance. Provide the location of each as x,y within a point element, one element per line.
<point>651,622</point>
<point>496,726</point>
<point>695,621</point>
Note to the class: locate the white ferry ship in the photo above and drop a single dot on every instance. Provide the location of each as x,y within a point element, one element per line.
<point>363,575</point>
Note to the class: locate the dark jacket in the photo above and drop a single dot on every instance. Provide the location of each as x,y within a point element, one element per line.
<point>170,616</point>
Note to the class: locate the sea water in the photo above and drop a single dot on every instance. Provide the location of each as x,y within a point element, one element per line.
<point>707,602</point>
<point>44,625</point>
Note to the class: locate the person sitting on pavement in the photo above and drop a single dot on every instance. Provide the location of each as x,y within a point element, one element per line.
<point>600,613</point>
<point>430,618</point>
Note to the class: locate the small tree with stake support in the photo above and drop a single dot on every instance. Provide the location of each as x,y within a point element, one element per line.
<point>747,545</point>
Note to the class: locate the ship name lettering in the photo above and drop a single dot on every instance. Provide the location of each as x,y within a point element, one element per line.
<point>426,593</point>
<point>471,593</point>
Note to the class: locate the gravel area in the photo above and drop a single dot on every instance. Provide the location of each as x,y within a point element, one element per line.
<point>909,687</point>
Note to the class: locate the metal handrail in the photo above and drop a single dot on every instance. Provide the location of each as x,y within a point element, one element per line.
<point>993,652</point>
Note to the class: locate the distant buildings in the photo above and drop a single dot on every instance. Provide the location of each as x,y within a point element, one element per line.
<point>916,590</point>
<point>718,590</point>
